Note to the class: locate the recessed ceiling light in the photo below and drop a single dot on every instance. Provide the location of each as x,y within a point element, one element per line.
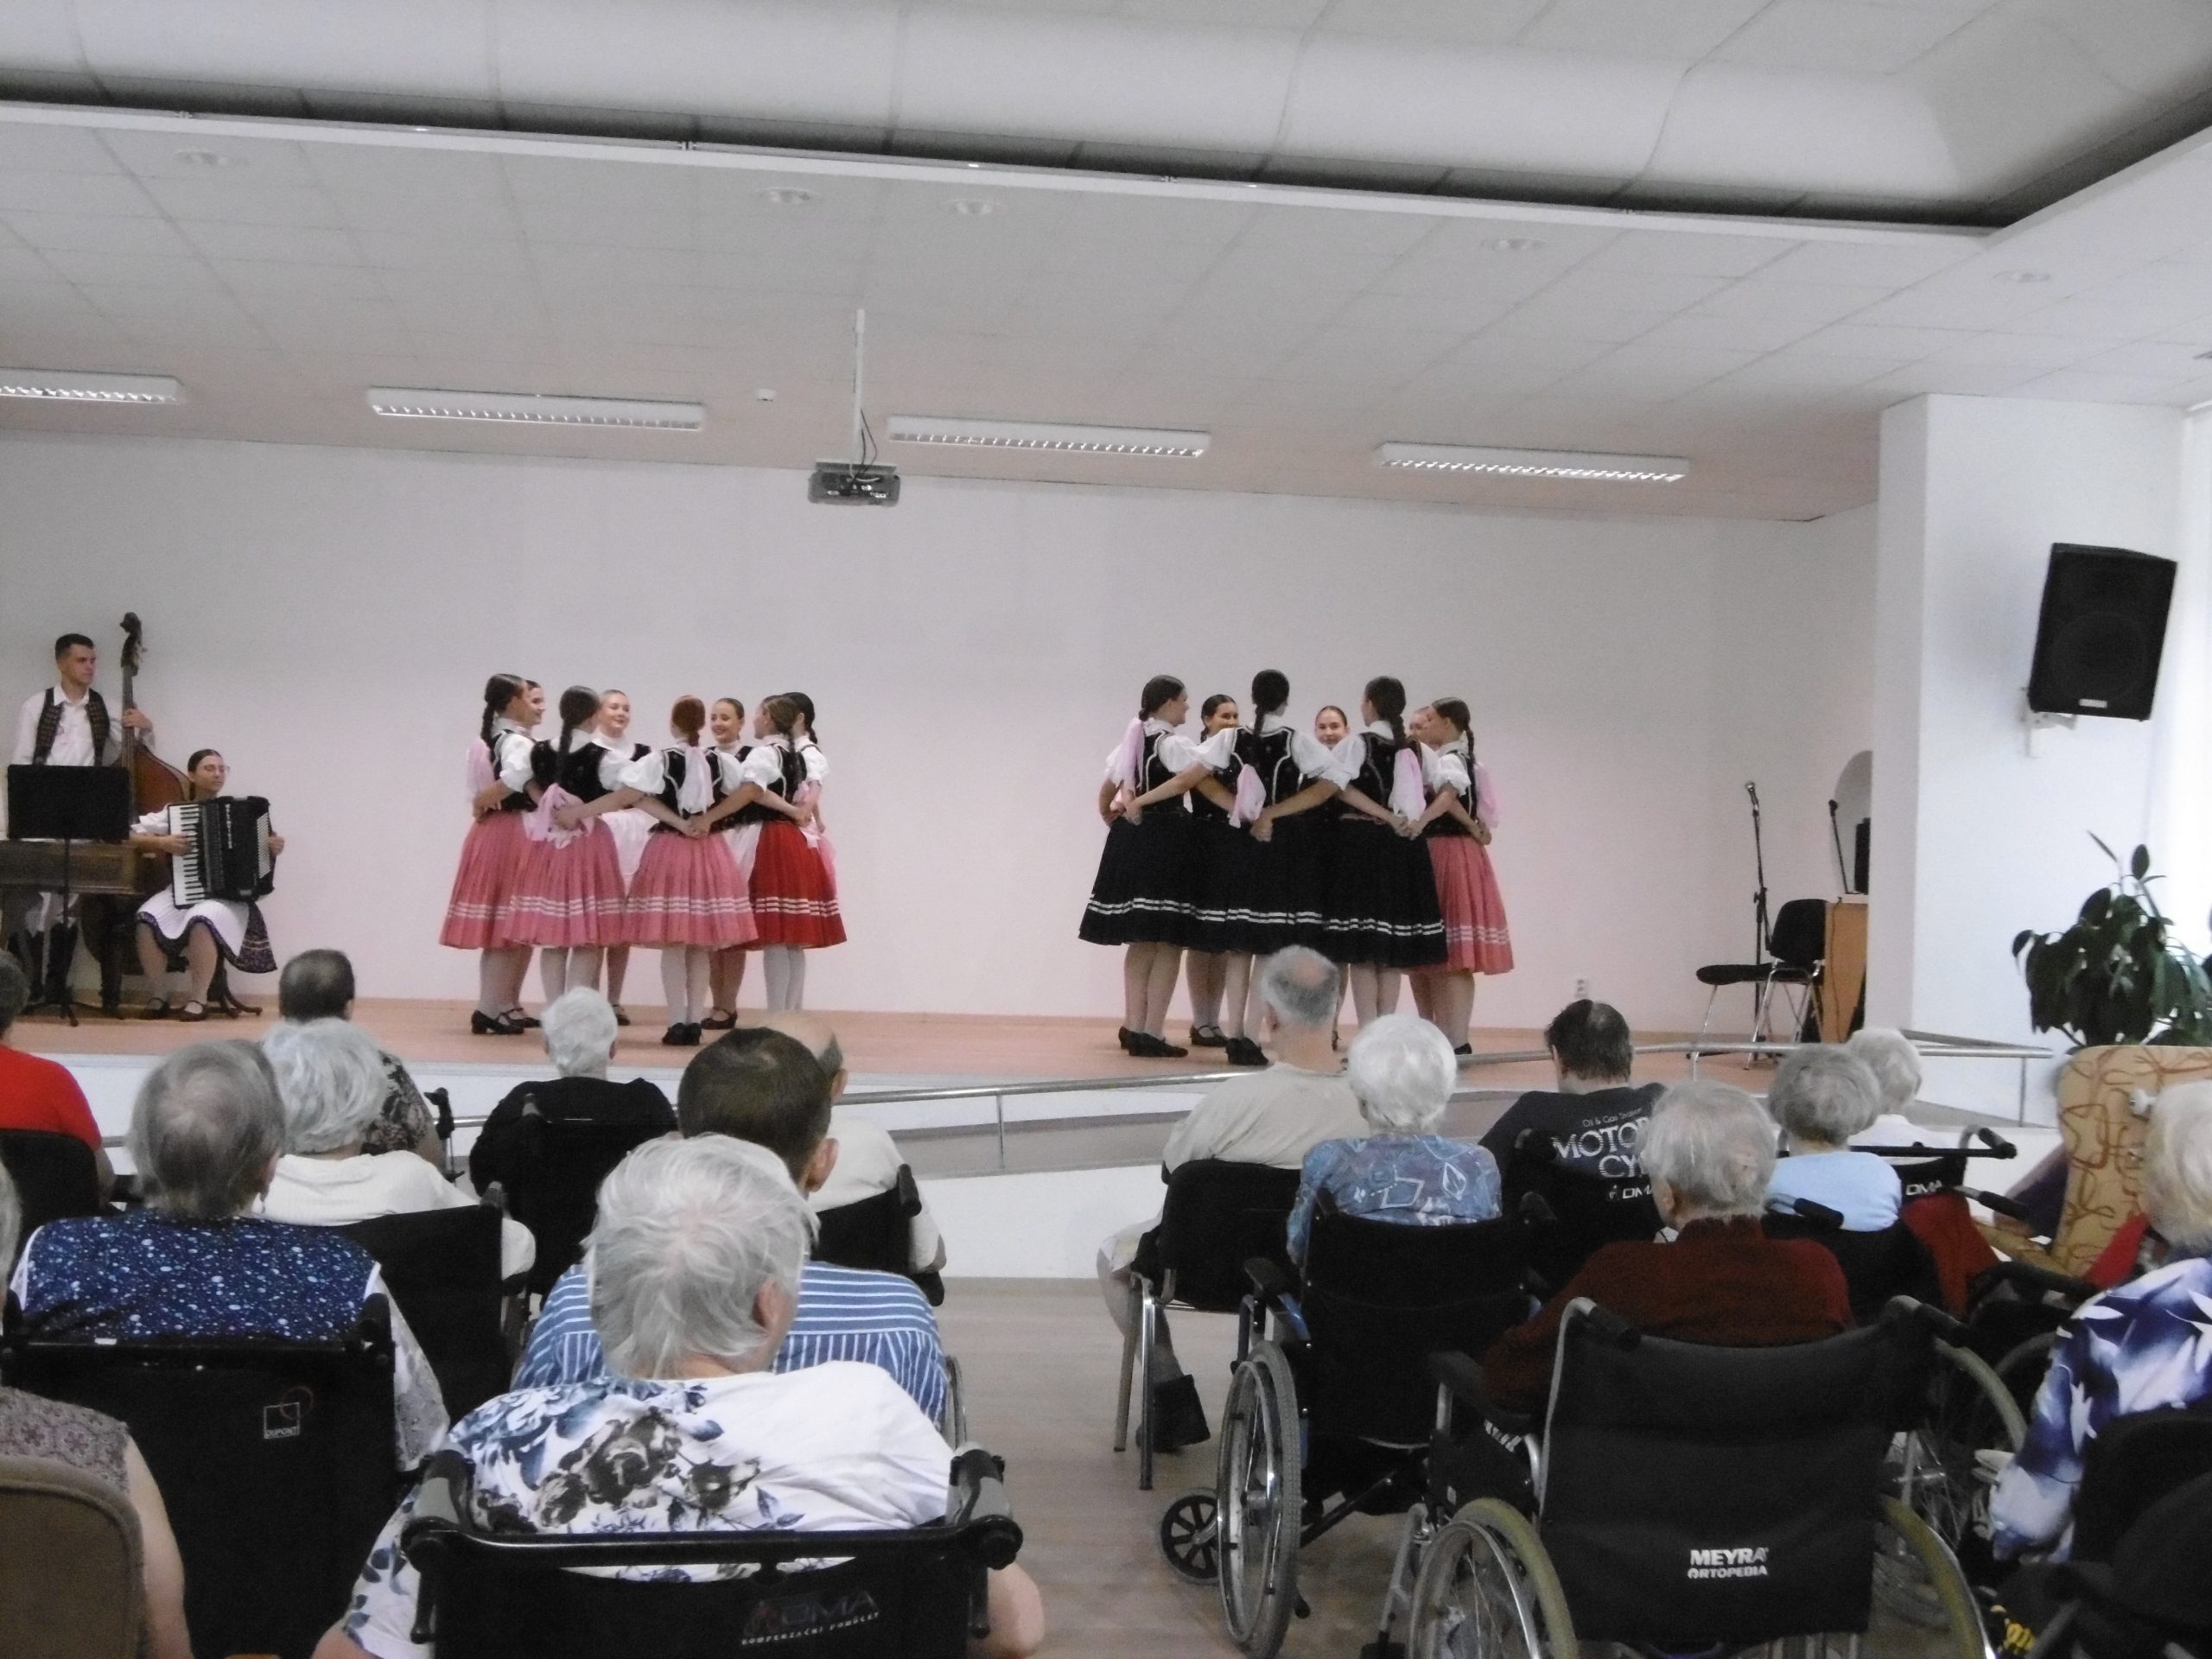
<point>411,403</point>
<point>2022,276</point>
<point>972,206</point>
<point>60,385</point>
<point>764,394</point>
<point>788,195</point>
<point>1532,463</point>
<point>209,158</point>
<point>1517,244</point>
<point>1158,443</point>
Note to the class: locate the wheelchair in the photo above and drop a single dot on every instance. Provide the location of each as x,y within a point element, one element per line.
<point>914,1593</point>
<point>1684,1496</point>
<point>1573,1213</point>
<point>1329,1413</point>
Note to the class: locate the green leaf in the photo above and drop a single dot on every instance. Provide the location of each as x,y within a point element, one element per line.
<point>2140,864</point>
<point>2106,850</point>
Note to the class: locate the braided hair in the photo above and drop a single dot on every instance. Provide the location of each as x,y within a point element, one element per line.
<point>1270,691</point>
<point>579,703</point>
<point>498,691</point>
<point>806,708</point>
<point>1160,689</point>
<point>1389,697</point>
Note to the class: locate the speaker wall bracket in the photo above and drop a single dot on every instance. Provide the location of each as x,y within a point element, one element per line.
<point>2033,720</point>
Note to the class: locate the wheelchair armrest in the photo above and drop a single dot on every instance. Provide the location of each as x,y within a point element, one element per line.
<point>2028,1276</point>
<point>1997,1203</point>
<point>978,1502</point>
<point>443,1101</point>
<point>1269,1282</point>
<point>1998,1145</point>
<point>1818,1215</point>
<point>1605,1324</point>
<point>1459,1379</point>
<point>1929,1318</point>
<point>910,1195</point>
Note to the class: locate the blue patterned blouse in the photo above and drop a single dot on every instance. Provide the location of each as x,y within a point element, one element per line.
<point>1422,1180</point>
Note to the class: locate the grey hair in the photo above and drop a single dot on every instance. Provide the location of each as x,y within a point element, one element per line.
<point>1713,1146</point>
<point>1823,1095</point>
<point>1894,1061</point>
<point>580,1031</point>
<point>2178,1167</point>
<point>330,1076</point>
<point>1403,1071</point>
<point>11,1221</point>
<point>14,991</point>
<point>1300,986</point>
<point>206,1124</point>
<point>689,1232</point>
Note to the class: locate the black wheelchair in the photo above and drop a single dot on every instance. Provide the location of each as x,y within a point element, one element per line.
<point>1685,1496</point>
<point>1573,1213</point>
<point>1334,1403</point>
<point>914,1593</point>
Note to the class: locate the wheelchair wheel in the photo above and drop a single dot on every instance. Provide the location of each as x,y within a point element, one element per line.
<point>2023,1368</point>
<point>1188,1537</point>
<point>1258,1508</point>
<point>955,1403</point>
<point>1907,1551</point>
<point>1941,1481</point>
<point>1487,1590</point>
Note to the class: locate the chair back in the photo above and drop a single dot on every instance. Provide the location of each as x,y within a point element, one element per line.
<point>1876,1266</point>
<point>71,1584</point>
<point>1799,935</point>
<point>553,1186</point>
<point>442,1267</point>
<point>1694,1493</point>
<point>1587,1211</point>
<point>275,1460</point>
<point>1218,1216</point>
<point>1379,1297</point>
<point>55,1176</point>
<point>2133,1462</point>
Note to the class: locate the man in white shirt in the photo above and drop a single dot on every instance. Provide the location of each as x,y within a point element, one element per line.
<point>65,725</point>
<point>1272,1117</point>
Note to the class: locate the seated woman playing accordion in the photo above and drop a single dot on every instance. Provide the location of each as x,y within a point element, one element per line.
<point>208,931</point>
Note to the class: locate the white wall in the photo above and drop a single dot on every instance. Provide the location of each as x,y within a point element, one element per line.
<point>327,617</point>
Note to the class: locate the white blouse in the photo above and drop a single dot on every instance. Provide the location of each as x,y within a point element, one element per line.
<point>511,748</point>
<point>1312,756</point>
<point>1176,751</point>
<point>764,763</point>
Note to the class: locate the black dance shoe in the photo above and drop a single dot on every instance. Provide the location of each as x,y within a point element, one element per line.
<point>1465,1053</point>
<point>719,1022</point>
<point>620,1017</point>
<point>481,1024</point>
<point>520,1021</point>
<point>1242,1051</point>
<point>681,1036</point>
<point>1208,1037</point>
<point>1178,1419</point>
<point>1146,1046</point>
<point>1128,1039</point>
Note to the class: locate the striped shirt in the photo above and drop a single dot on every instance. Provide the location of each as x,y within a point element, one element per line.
<point>878,1318</point>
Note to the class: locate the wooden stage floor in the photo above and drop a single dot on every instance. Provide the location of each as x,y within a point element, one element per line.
<point>877,1045</point>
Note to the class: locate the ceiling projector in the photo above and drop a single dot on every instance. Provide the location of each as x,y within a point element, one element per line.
<point>851,483</point>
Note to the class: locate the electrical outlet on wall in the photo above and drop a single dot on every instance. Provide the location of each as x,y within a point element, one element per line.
<point>1581,990</point>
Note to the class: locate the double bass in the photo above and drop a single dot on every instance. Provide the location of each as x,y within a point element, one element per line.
<point>155,783</point>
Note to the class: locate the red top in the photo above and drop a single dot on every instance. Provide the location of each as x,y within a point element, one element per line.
<point>1724,1282</point>
<point>38,1094</point>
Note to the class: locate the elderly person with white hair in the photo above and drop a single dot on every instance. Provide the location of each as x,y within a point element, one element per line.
<point>580,1028</point>
<point>331,1078</point>
<point>1822,1096</point>
<point>205,1134</point>
<point>2140,1347</point>
<point>695,1265</point>
<point>1402,1072</point>
<point>1709,1151</point>
<point>1891,1056</point>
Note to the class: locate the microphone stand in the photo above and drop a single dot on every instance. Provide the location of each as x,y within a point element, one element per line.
<point>1835,834</point>
<point>1759,861</point>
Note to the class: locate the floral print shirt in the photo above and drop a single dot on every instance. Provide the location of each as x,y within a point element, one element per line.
<point>1421,1179</point>
<point>839,1445</point>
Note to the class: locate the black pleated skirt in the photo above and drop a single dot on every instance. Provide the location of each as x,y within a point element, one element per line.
<point>1381,906</point>
<point>1257,897</point>
<point>1143,890</point>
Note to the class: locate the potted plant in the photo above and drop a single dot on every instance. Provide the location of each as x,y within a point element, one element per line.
<point>2138,1005</point>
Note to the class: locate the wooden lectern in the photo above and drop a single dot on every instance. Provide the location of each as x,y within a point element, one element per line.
<point>1843,976</point>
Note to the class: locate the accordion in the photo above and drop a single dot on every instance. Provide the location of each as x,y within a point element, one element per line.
<point>229,855</point>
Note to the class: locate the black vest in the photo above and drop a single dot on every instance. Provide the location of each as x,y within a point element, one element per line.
<point>577,772</point>
<point>49,726</point>
<point>1447,825</point>
<point>790,779</point>
<point>675,767</point>
<point>1376,773</point>
<point>515,801</point>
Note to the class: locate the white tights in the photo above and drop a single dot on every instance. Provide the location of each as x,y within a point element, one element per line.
<point>784,966</point>
<point>498,978</point>
<point>567,968</point>
<point>685,972</point>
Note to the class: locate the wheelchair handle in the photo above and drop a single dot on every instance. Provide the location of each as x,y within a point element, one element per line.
<point>2035,1278</point>
<point>1998,1205</point>
<point>1998,1145</point>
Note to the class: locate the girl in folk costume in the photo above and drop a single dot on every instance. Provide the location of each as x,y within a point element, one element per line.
<point>1141,898</point>
<point>688,898</point>
<point>568,898</point>
<point>726,725</point>
<point>1331,726</point>
<point>208,933</point>
<point>1381,916</point>
<point>1456,829</point>
<point>629,826</point>
<point>793,897</point>
<point>501,787</point>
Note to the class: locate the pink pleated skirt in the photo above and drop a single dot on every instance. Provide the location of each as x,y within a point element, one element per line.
<point>491,862</point>
<point>1475,933</point>
<point>571,895</point>
<point>688,892</point>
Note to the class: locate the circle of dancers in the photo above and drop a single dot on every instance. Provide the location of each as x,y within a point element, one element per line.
<point>1370,845</point>
<point>707,847</point>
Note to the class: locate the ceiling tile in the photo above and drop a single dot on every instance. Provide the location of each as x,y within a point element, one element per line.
<point>177,270</point>
<point>1868,340</point>
<point>97,233</point>
<point>241,202</point>
<point>294,244</point>
<point>1677,30</point>
<point>1840,37</point>
<point>1760,298</point>
<point>73,192</point>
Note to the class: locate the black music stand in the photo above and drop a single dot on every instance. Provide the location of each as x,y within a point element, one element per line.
<point>67,804</point>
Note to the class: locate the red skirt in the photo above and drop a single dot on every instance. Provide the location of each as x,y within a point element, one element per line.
<point>477,918</point>
<point>793,898</point>
<point>687,892</point>
<point>571,895</point>
<point>1475,935</point>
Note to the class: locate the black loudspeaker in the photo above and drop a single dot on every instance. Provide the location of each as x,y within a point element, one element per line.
<point>2102,631</point>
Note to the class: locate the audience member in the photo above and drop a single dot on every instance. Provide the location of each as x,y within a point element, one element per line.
<point>1595,1117</point>
<point>2138,1347</point>
<point>1891,1056</point>
<point>868,1159</point>
<point>100,1446</point>
<point>696,1272</point>
<point>760,1086</point>
<point>1709,1151</point>
<point>1403,1071</point>
<point>1822,1096</point>
<point>205,1134</point>
<point>318,985</point>
<point>37,1093</point>
<point>579,1028</point>
<point>1272,1117</point>
<point>331,1079</point>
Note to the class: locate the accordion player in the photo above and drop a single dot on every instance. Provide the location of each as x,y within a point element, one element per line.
<point>223,855</point>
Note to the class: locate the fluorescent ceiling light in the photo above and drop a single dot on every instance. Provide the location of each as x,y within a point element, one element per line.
<point>410,403</point>
<point>1039,435</point>
<point>62,387</point>
<point>1532,463</point>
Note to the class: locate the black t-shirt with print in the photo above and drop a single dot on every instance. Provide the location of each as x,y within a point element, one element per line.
<point>1598,1132</point>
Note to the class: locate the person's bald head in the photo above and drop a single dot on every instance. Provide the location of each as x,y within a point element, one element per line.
<point>814,1033</point>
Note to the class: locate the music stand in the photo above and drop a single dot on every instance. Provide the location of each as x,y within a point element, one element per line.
<point>67,804</point>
